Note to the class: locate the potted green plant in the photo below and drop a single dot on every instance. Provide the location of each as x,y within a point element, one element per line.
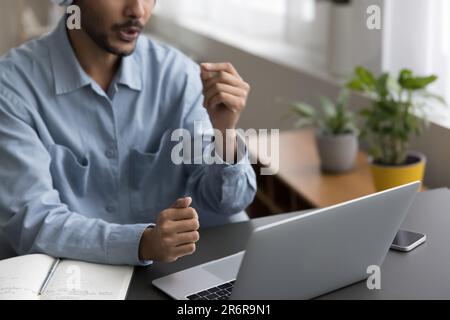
<point>336,131</point>
<point>396,114</point>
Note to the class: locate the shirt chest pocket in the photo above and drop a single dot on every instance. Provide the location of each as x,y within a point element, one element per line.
<point>70,174</point>
<point>154,181</point>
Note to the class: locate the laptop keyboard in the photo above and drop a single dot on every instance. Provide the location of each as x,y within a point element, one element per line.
<point>222,292</point>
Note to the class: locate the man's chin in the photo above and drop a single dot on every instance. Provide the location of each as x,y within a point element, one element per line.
<point>124,48</point>
<point>122,51</point>
<point>125,53</point>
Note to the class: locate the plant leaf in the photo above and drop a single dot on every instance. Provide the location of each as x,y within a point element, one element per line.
<point>404,75</point>
<point>366,77</point>
<point>382,85</point>
<point>438,98</point>
<point>328,107</point>
<point>394,86</point>
<point>355,85</point>
<point>304,123</point>
<point>303,109</point>
<point>344,97</point>
<point>409,82</point>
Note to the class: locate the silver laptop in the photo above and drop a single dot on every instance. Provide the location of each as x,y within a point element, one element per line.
<point>304,256</point>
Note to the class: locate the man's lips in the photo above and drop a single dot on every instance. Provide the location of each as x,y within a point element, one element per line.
<point>129,34</point>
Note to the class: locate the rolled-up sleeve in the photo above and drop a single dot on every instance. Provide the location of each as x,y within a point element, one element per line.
<point>220,188</point>
<point>32,215</point>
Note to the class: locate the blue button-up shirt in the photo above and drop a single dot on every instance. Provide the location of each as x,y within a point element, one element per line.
<point>84,172</point>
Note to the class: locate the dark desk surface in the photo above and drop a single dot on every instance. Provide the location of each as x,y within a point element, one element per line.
<point>423,273</point>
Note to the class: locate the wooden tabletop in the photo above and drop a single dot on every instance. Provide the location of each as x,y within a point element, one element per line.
<point>299,168</point>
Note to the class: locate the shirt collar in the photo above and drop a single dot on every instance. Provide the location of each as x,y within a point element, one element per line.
<point>67,72</point>
<point>70,76</point>
<point>130,71</point>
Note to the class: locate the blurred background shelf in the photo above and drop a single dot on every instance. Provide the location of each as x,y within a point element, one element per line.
<point>300,184</point>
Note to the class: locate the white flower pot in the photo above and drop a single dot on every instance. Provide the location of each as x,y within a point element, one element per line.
<point>337,153</point>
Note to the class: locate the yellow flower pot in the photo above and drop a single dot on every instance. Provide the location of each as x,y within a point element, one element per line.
<point>387,177</point>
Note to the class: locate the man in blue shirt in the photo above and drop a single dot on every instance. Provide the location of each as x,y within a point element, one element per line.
<point>86,119</point>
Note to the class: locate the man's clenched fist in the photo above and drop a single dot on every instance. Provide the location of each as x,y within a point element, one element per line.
<point>225,94</point>
<point>174,235</point>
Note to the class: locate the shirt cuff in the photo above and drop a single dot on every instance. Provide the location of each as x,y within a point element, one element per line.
<point>123,244</point>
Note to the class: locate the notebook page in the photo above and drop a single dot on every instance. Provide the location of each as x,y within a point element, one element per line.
<point>22,277</point>
<point>76,280</point>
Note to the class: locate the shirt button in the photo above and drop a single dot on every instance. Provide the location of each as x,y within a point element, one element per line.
<point>110,154</point>
<point>110,209</point>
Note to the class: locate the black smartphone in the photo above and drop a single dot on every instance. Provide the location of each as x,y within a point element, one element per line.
<point>407,240</point>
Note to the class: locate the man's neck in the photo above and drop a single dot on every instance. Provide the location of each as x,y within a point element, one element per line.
<point>100,65</point>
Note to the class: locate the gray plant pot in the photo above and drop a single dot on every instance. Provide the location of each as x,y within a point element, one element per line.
<point>337,153</point>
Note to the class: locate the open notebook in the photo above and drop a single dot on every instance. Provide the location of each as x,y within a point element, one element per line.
<point>21,278</point>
